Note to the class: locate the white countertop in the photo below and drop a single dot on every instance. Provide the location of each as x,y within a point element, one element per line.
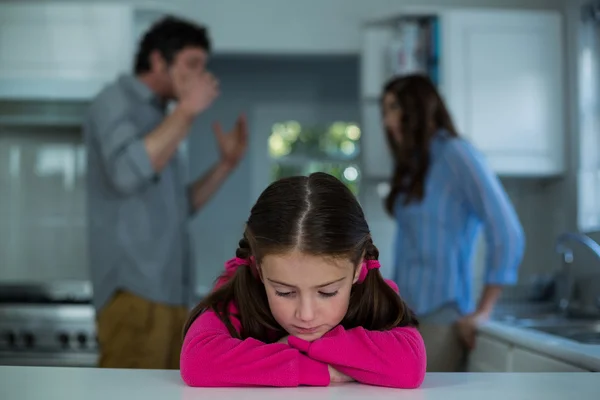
<point>47,383</point>
<point>585,356</point>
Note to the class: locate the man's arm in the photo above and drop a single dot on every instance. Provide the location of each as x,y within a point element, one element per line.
<point>163,141</point>
<point>207,185</point>
<point>132,158</point>
<point>232,147</point>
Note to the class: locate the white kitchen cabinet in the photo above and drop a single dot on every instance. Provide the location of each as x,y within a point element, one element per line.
<point>501,74</point>
<point>523,360</point>
<point>62,50</point>
<point>490,355</point>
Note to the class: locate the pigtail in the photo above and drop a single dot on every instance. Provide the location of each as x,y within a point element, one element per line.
<point>246,291</point>
<point>374,305</point>
<point>251,300</point>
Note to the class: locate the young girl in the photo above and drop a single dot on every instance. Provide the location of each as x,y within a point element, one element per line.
<point>303,303</point>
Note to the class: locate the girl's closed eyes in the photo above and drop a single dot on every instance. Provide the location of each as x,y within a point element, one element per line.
<point>289,294</point>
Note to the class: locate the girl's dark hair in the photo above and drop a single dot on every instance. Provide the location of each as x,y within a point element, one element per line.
<point>317,215</point>
<point>423,115</point>
<point>169,36</point>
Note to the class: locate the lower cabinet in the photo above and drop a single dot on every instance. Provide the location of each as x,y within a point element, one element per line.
<point>495,355</point>
<point>490,355</point>
<point>528,361</point>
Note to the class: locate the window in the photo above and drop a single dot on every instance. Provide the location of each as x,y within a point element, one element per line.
<point>301,150</point>
<point>588,176</point>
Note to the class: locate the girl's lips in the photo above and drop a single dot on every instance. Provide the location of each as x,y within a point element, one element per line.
<point>306,330</point>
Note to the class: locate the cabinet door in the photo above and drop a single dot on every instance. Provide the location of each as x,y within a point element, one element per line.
<point>62,50</point>
<point>503,80</point>
<point>527,361</point>
<point>489,355</point>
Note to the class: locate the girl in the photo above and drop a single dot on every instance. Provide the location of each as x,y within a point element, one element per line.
<point>303,303</point>
<point>442,192</point>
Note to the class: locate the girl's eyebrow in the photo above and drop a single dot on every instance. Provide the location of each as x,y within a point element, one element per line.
<point>318,286</point>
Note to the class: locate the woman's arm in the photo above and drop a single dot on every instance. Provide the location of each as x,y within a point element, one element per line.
<point>484,195</point>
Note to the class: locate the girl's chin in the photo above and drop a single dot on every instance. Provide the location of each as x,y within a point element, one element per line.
<point>310,337</point>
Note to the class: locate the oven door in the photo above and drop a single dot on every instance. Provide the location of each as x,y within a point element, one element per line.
<point>49,359</point>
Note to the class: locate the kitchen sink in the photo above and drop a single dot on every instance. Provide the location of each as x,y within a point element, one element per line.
<point>588,333</point>
<point>585,331</point>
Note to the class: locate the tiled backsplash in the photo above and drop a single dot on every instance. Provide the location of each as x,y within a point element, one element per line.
<point>42,204</point>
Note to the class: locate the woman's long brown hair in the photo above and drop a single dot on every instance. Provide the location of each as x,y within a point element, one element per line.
<point>317,215</point>
<point>424,114</point>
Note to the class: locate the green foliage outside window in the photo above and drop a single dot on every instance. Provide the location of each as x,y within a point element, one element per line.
<point>301,150</point>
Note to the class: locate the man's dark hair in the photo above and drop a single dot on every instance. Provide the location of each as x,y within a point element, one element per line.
<point>169,36</point>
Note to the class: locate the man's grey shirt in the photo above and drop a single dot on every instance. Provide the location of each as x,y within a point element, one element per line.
<point>137,219</point>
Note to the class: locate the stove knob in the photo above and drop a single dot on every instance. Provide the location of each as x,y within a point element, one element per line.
<point>29,339</point>
<point>11,339</point>
<point>63,339</point>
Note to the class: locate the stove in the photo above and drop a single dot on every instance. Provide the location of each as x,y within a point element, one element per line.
<point>48,325</point>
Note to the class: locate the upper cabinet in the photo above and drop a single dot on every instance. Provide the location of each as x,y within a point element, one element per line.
<point>500,73</point>
<point>62,50</point>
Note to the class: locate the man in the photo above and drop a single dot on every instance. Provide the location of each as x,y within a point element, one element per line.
<point>138,202</point>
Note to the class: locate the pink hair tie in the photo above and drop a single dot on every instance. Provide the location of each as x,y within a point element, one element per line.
<point>232,265</point>
<point>367,265</point>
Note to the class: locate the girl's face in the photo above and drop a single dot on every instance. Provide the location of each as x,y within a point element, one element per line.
<point>308,295</point>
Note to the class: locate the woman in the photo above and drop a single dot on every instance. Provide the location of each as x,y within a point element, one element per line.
<point>442,193</point>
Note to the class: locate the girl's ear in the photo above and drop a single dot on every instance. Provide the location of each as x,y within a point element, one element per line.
<point>259,273</point>
<point>357,271</point>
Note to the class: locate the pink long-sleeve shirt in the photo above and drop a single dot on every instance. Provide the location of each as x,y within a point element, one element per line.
<point>211,357</point>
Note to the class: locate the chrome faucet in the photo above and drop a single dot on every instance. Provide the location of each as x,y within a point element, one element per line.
<point>567,263</point>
